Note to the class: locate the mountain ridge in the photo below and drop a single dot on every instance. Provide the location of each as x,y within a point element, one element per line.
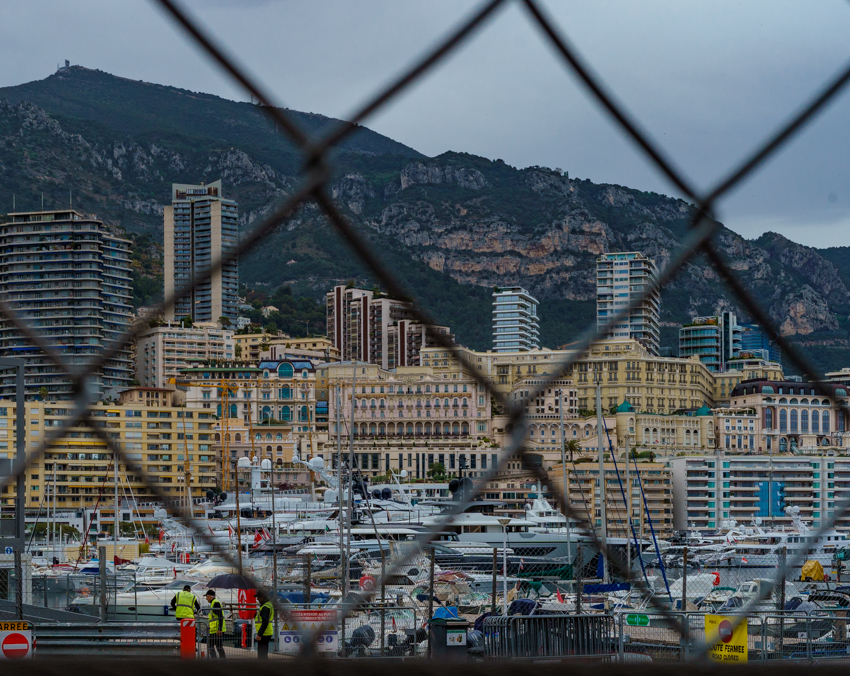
<point>453,226</point>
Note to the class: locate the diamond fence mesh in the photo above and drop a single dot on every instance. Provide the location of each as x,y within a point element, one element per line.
<point>662,613</point>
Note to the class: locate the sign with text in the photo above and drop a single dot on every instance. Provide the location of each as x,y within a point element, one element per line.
<point>15,640</point>
<point>302,623</point>
<point>729,643</point>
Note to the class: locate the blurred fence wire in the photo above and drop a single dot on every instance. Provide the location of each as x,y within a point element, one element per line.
<point>317,163</point>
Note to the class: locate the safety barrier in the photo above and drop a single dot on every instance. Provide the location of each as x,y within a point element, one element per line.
<point>148,639</point>
<point>586,636</point>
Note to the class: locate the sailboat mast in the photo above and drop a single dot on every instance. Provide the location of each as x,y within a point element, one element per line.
<point>600,427</point>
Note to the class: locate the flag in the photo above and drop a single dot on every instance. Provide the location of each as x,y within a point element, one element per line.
<point>393,619</point>
<point>744,559</point>
<point>258,538</point>
<point>173,545</point>
<point>161,533</point>
<point>558,594</point>
<point>147,540</point>
<point>266,534</point>
<point>229,531</point>
<point>521,563</point>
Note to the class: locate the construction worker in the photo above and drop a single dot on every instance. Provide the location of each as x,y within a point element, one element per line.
<point>217,624</point>
<point>185,604</point>
<point>263,624</point>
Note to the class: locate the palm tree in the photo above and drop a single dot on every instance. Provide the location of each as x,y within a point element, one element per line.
<point>571,447</point>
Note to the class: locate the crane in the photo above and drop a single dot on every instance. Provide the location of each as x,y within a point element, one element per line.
<point>225,387</point>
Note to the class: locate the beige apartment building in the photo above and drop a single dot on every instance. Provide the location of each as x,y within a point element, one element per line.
<point>163,351</point>
<point>740,369</point>
<point>625,369</point>
<point>158,437</point>
<point>409,419</point>
<point>655,487</point>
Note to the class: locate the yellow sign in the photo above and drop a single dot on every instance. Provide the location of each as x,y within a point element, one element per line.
<point>727,636</point>
<point>15,626</point>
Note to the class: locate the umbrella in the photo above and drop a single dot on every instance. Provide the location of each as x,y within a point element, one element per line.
<point>230,581</point>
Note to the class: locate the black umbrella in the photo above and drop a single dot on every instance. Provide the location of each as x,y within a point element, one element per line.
<point>230,581</point>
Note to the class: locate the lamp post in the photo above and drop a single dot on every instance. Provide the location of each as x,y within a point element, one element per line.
<point>241,464</point>
<point>503,521</point>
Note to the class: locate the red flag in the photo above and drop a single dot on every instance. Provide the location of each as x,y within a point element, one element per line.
<point>173,545</point>
<point>230,531</point>
<point>266,535</point>
<point>161,533</point>
<point>558,594</point>
<point>393,619</point>
<point>258,538</point>
<point>147,540</point>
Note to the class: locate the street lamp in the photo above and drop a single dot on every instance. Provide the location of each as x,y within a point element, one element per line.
<point>503,521</point>
<point>241,464</point>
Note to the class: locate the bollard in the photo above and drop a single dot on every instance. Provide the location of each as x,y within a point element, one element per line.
<point>187,639</point>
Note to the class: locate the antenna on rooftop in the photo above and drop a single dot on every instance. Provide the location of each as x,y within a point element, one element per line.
<point>42,201</point>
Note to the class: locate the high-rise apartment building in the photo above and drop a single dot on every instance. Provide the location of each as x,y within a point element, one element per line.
<point>162,351</point>
<point>716,340</point>
<point>754,337</point>
<point>515,323</point>
<point>378,330</point>
<point>620,278</point>
<point>68,277</point>
<point>200,226</point>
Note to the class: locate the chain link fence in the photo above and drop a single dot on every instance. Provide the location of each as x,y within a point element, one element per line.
<point>660,626</point>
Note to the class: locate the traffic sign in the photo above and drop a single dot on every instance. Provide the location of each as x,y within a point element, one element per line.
<point>728,638</point>
<point>9,550</point>
<point>15,645</point>
<point>637,620</point>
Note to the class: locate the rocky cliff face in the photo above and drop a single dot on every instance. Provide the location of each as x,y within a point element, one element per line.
<point>481,223</point>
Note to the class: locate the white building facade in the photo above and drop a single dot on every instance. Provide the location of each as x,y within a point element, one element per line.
<point>620,278</point>
<point>515,324</point>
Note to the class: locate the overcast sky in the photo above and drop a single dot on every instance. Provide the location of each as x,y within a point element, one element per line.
<point>708,80</point>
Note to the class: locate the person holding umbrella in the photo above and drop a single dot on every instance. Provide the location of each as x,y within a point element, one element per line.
<point>263,624</point>
<point>217,624</point>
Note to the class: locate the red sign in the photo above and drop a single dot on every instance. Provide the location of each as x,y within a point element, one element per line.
<point>313,615</point>
<point>15,646</point>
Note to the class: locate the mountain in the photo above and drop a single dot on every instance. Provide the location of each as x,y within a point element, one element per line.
<point>452,227</point>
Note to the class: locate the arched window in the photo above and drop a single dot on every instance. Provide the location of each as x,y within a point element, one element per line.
<point>373,429</point>
<point>303,414</point>
<point>218,411</point>
<point>268,436</point>
<point>464,429</point>
<point>258,437</point>
<point>455,428</point>
<point>824,422</point>
<point>410,429</point>
<point>217,436</point>
<point>382,430</point>
<point>284,393</point>
<point>233,411</point>
<point>269,450</point>
<point>418,429</point>
<point>793,419</point>
<point>815,423</point>
<point>286,413</point>
<point>437,404</point>
<point>372,404</point>
<point>266,413</point>
<point>280,452</point>
<point>804,421</point>
<point>428,428</point>
<point>768,418</point>
<point>285,370</point>
<point>783,420</point>
<point>783,400</point>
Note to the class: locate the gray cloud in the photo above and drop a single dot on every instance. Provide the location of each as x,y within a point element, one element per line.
<point>708,81</point>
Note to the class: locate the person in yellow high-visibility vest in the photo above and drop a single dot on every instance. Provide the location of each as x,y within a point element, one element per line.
<point>264,625</point>
<point>218,625</point>
<point>185,603</point>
